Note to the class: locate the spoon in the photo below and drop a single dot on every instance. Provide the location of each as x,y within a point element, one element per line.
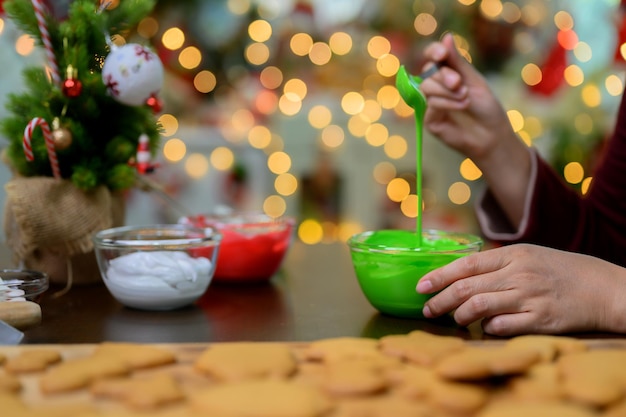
<point>409,88</point>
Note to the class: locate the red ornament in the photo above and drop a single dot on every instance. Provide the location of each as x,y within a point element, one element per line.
<point>72,88</point>
<point>154,102</point>
<point>620,22</point>
<point>553,71</point>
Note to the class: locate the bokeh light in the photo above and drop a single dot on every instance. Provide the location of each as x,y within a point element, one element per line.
<point>340,43</point>
<point>320,116</point>
<point>271,77</point>
<point>286,184</point>
<point>469,170</point>
<point>384,172</point>
<point>25,45</point>
<point>333,136</point>
<point>425,24</point>
<point>398,189</point>
<point>320,53</point>
<point>257,53</point>
<point>274,206</point>
<point>196,165</point>
<point>205,81</point>
<point>310,231</point>
<point>222,158</point>
<point>459,193</point>
<point>573,172</point>
<point>174,150</point>
<point>260,30</point>
<point>301,44</point>
<point>279,162</point>
<point>190,57</point>
<point>173,38</point>
<point>169,124</point>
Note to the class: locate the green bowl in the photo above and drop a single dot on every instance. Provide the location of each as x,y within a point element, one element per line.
<point>389,264</point>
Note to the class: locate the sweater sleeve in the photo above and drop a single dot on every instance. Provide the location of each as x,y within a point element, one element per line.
<point>557,216</point>
<point>492,219</point>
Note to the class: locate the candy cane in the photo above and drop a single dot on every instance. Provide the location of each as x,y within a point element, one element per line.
<point>40,12</point>
<point>47,135</point>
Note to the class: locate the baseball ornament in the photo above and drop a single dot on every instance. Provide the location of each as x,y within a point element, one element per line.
<point>132,74</point>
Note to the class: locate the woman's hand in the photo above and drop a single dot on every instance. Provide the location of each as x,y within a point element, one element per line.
<point>524,288</point>
<point>464,114</point>
<point>462,111</point>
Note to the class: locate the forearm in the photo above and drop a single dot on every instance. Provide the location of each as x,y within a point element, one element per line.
<point>507,173</point>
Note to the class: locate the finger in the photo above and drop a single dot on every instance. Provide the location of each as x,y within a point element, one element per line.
<point>457,62</point>
<point>436,52</point>
<point>467,266</point>
<point>446,103</point>
<point>448,77</point>
<point>487,304</point>
<point>473,298</point>
<point>511,324</point>
<point>439,87</point>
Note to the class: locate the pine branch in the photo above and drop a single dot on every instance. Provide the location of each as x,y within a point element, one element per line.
<point>21,12</point>
<point>128,14</point>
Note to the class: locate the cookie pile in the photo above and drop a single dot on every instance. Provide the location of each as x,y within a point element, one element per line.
<point>408,375</point>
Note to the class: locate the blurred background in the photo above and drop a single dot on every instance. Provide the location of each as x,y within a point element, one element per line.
<point>289,106</point>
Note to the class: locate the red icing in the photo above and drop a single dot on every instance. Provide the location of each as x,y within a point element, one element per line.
<point>249,252</point>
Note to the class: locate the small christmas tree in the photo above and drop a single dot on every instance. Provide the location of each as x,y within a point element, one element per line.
<point>95,120</point>
<point>83,130</point>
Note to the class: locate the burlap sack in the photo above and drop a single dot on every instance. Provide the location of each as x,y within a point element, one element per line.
<point>49,225</point>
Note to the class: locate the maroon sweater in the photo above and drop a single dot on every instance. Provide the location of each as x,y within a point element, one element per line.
<point>558,217</point>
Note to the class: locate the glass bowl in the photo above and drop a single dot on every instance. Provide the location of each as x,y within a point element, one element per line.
<point>253,244</point>
<point>389,263</point>
<point>157,267</point>
<point>22,284</point>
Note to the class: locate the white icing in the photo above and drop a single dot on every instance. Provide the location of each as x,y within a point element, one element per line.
<point>158,280</point>
<point>10,294</point>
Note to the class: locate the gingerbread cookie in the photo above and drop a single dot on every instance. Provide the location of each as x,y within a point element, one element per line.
<point>240,360</point>
<point>341,348</point>
<point>541,382</point>
<point>353,377</point>
<point>475,363</point>
<point>536,409</point>
<point>9,383</point>
<point>140,393</point>
<point>34,360</point>
<point>420,347</point>
<point>78,373</point>
<point>616,410</point>
<point>12,406</point>
<point>136,355</point>
<point>596,377</point>
<point>422,384</point>
<point>383,406</point>
<point>261,398</point>
<point>549,346</point>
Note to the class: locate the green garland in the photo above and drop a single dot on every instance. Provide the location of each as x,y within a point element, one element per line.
<point>104,132</point>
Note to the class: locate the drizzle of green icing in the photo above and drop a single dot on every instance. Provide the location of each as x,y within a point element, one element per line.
<point>408,87</point>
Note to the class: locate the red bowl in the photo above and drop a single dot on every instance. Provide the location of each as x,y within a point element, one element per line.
<point>253,245</point>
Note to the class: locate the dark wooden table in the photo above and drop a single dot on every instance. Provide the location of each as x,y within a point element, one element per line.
<point>315,295</point>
